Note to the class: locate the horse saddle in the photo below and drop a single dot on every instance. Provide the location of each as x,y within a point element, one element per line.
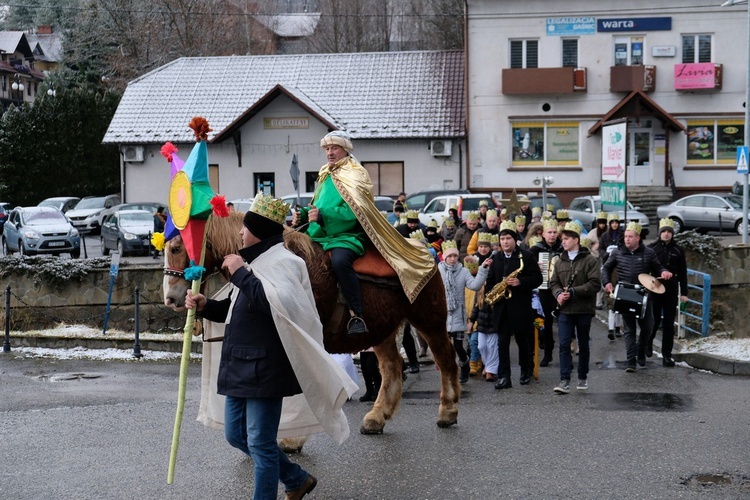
<point>373,264</point>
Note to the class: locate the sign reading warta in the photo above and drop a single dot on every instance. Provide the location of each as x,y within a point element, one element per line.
<point>613,152</point>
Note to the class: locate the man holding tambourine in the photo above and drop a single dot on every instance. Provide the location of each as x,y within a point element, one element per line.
<point>630,260</point>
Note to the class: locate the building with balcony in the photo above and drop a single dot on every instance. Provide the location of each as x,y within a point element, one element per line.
<point>19,79</point>
<point>546,77</point>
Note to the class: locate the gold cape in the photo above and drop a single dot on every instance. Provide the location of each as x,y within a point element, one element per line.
<point>413,264</point>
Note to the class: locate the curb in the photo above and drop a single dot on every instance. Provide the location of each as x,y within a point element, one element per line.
<point>147,342</point>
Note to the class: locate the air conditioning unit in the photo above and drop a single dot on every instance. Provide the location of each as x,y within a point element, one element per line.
<point>441,148</point>
<point>133,153</point>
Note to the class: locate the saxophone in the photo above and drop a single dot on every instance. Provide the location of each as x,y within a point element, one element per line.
<point>501,290</point>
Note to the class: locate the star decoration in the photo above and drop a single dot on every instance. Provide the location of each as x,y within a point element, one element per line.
<point>513,205</point>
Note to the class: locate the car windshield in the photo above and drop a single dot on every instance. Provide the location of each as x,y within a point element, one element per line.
<point>50,203</point>
<point>90,203</point>
<point>44,217</point>
<point>130,220</point>
<point>735,201</point>
<point>473,203</point>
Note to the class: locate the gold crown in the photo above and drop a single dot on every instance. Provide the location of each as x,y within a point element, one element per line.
<point>417,235</point>
<point>573,226</point>
<point>508,225</point>
<point>433,224</point>
<point>449,222</point>
<point>550,207</point>
<point>495,239</point>
<point>601,215</point>
<point>634,226</point>
<point>546,215</point>
<point>520,219</point>
<point>471,262</point>
<point>666,223</point>
<point>536,211</point>
<point>613,216</point>
<point>585,242</point>
<point>484,203</point>
<point>449,244</point>
<point>562,214</point>
<point>484,239</point>
<point>270,208</point>
<point>412,214</point>
<point>549,224</point>
<point>504,211</point>
<point>453,207</point>
<point>402,219</point>
<point>533,240</point>
<point>473,216</point>
<point>490,213</point>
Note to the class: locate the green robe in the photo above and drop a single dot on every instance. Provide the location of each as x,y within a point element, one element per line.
<point>340,228</point>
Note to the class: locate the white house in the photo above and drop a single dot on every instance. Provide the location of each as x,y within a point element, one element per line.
<point>404,111</point>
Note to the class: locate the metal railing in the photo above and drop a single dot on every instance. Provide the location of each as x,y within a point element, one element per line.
<point>704,306</point>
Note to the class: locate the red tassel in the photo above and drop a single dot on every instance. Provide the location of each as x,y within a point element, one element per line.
<point>200,128</point>
<point>167,150</point>
<point>219,202</point>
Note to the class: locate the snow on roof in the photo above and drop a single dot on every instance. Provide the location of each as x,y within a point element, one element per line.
<point>370,95</point>
<point>12,41</point>
<point>50,44</point>
<point>291,25</point>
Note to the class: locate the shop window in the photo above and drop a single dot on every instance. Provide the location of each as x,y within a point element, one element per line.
<point>264,182</point>
<point>524,53</point>
<point>545,143</point>
<point>714,142</point>
<point>387,177</point>
<point>629,51</point>
<point>696,49</point>
<point>570,52</point>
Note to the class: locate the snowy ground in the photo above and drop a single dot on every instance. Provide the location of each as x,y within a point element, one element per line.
<point>719,345</point>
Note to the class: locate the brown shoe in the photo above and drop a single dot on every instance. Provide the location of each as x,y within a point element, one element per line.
<point>309,485</point>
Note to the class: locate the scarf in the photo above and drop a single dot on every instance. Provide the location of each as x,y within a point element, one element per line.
<point>453,295</point>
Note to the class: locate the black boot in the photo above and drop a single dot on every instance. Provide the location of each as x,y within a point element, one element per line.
<point>369,395</point>
<point>547,359</point>
<point>464,374</point>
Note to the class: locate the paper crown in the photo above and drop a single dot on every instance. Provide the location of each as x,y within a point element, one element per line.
<point>433,225</point>
<point>495,239</point>
<point>585,242</point>
<point>484,239</point>
<point>536,211</point>
<point>562,214</point>
<point>449,222</point>
<point>412,214</point>
<point>472,216</point>
<point>384,213</point>
<point>665,224</point>
<point>453,207</point>
<point>550,207</point>
<point>520,219</point>
<point>504,211</point>
<point>613,216</point>
<point>270,208</point>
<point>634,226</point>
<point>549,224</point>
<point>533,240</point>
<point>402,219</point>
<point>471,262</point>
<point>484,203</point>
<point>546,215</point>
<point>508,225</point>
<point>448,244</point>
<point>491,213</point>
<point>601,215</point>
<point>573,227</point>
<point>417,235</point>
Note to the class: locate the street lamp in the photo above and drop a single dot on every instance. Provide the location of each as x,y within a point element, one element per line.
<point>18,86</point>
<point>51,92</point>
<point>544,182</point>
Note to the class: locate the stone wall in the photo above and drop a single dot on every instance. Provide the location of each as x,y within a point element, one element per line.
<point>36,306</point>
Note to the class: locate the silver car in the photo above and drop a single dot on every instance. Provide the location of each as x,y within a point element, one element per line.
<point>37,230</point>
<point>585,208</point>
<point>705,212</point>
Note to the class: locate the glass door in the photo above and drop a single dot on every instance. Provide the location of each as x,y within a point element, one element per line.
<point>639,154</point>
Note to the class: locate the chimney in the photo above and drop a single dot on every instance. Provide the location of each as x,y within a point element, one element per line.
<point>45,29</point>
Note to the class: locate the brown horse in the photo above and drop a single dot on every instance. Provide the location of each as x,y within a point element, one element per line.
<point>386,308</point>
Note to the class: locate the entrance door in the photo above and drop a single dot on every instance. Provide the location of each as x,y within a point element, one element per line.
<point>639,157</point>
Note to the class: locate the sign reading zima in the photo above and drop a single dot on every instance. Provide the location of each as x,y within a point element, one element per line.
<point>634,24</point>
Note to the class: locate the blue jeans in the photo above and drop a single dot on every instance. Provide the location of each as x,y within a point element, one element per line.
<point>474,346</point>
<point>251,425</point>
<point>567,324</point>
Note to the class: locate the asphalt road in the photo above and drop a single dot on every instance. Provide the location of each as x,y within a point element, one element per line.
<point>658,433</point>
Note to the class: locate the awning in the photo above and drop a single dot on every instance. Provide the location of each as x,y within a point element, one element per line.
<point>637,105</point>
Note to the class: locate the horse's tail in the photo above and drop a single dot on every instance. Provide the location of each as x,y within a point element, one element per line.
<point>299,244</point>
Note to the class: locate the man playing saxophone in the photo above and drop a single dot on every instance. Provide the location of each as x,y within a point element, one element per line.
<point>512,312</point>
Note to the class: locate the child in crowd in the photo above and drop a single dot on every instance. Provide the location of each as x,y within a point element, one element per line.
<point>484,243</point>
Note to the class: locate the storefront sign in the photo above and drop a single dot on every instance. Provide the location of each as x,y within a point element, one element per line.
<point>664,51</point>
<point>634,24</point>
<point>695,76</point>
<point>613,152</point>
<point>563,143</point>
<point>566,26</point>
<point>613,195</point>
<point>291,122</point>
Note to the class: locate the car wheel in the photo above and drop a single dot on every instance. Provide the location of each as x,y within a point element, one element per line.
<point>121,248</point>
<point>6,250</point>
<point>738,227</point>
<point>677,224</point>
<point>105,250</point>
<point>20,248</point>
<point>75,254</point>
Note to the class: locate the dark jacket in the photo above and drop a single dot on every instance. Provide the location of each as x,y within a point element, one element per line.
<point>253,360</point>
<point>672,256</point>
<point>608,239</point>
<point>514,314</point>
<point>482,316</point>
<point>630,264</point>
<point>586,284</point>
<point>463,237</point>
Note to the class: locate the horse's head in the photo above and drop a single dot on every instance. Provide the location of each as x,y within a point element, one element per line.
<point>175,285</point>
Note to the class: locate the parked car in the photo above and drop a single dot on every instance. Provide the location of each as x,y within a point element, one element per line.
<point>438,207</point>
<point>89,214</point>
<point>705,212</point>
<point>62,203</point>
<point>128,232</point>
<point>3,218</point>
<point>40,230</point>
<point>420,199</point>
<point>584,208</point>
<point>151,206</point>
<point>536,200</point>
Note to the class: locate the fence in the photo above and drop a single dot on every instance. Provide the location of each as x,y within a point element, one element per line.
<point>704,306</point>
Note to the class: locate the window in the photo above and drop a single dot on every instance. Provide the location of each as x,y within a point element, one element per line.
<point>387,177</point>
<point>696,49</point>
<point>529,139</point>
<point>524,53</point>
<point>570,52</point>
<point>311,181</point>
<point>714,142</point>
<point>629,51</point>
<point>264,182</point>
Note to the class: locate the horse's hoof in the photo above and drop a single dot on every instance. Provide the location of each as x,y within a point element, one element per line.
<point>365,430</point>
<point>444,424</point>
<point>291,451</point>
